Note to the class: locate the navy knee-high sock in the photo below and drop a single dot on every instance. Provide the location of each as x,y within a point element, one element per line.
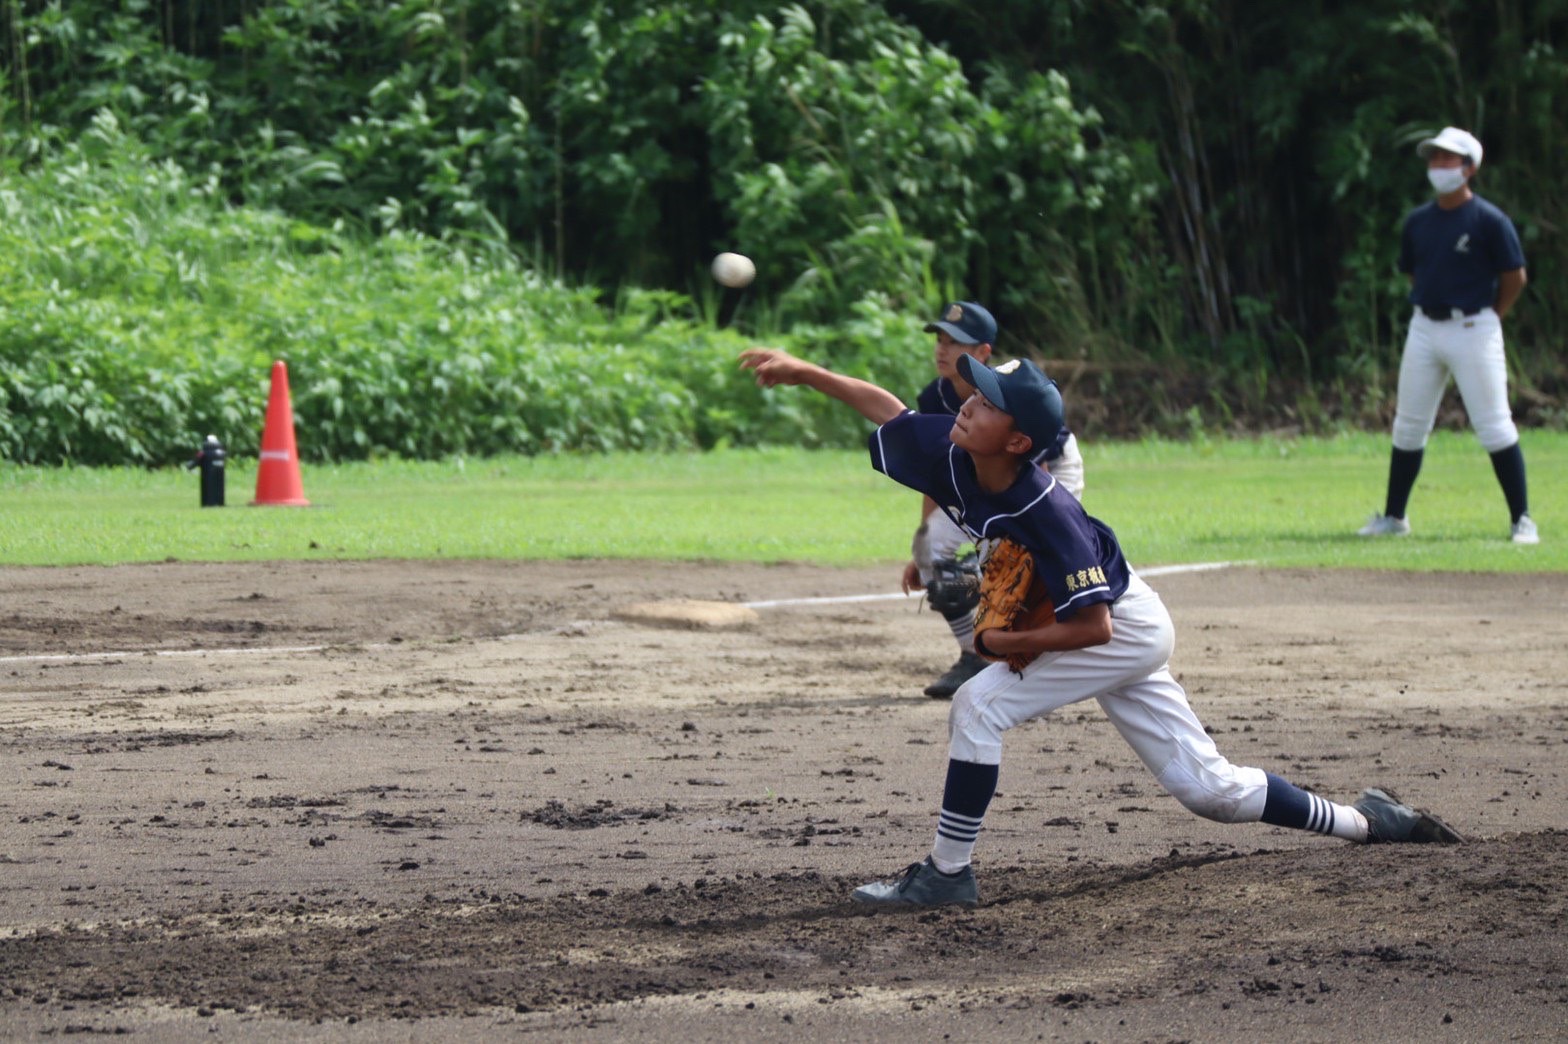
<point>962,624</point>
<point>1403,467</point>
<point>1508,464</point>
<point>1287,805</point>
<point>968,792</point>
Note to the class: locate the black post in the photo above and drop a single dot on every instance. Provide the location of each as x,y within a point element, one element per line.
<point>210,460</point>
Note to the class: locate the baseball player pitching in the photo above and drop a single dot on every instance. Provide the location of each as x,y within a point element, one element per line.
<point>1466,270</point>
<point>1071,621</point>
<point>939,567</point>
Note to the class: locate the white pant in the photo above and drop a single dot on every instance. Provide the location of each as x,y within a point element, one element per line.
<point>943,537</point>
<point>1068,468</point>
<point>938,542</point>
<point>1131,679</point>
<point>1472,350</point>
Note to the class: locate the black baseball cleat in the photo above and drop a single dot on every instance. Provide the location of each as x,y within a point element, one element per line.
<point>967,666</point>
<point>1391,821</point>
<point>922,884</point>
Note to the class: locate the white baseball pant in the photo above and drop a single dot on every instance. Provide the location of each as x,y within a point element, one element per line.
<point>1472,350</point>
<point>1068,468</point>
<point>939,543</point>
<point>1130,678</point>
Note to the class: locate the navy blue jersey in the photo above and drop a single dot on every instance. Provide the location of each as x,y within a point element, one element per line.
<point>1456,255</point>
<point>940,397</point>
<point>1076,555</point>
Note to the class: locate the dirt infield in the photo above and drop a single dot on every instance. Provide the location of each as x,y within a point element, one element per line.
<point>374,801</point>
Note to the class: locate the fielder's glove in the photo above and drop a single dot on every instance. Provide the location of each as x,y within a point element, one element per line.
<point>955,585</point>
<point>1012,598</point>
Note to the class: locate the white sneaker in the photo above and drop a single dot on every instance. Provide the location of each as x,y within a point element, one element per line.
<point>1385,525</point>
<point>1525,531</point>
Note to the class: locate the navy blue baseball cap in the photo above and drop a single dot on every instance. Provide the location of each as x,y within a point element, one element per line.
<point>967,323</point>
<point>1021,389</point>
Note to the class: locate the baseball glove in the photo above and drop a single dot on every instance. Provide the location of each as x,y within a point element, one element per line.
<point>955,585</point>
<point>1012,598</point>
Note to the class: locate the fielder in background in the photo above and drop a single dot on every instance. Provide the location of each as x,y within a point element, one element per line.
<point>1094,630</point>
<point>1466,270</point>
<point>948,577</point>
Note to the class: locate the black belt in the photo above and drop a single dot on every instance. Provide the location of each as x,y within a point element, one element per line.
<point>1441,315</point>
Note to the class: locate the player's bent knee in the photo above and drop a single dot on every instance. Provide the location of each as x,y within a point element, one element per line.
<point>1409,434</point>
<point>1227,796</point>
<point>976,745</point>
<point>974,728</point>
<point>1498,435</point>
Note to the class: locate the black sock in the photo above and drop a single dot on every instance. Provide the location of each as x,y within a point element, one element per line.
<point>1287,805</point>
<point>969,787</point>
<point>1403,467</point>
<point>1509,466</point>
<point>962,623</point>
<point>968,792</point>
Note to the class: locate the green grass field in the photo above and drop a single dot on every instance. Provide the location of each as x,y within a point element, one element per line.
<point>1277,502</point>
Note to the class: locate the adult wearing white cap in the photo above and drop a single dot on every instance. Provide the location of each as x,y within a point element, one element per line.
<point>1466,270</point>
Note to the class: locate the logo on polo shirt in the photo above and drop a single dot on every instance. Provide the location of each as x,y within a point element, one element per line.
<point>1463,246</point>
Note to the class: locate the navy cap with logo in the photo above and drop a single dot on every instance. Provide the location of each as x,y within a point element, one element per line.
<point>966,322</point>
<point>1021,389</point>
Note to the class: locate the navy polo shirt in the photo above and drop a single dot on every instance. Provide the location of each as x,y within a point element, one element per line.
<point>1076,556</point>
<point>1456,255</point>
<point>940,397</point>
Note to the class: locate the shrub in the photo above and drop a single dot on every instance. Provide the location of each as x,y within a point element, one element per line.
<point>143,313</point>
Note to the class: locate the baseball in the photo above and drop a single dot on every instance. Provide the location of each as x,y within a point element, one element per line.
<point>734,270</point>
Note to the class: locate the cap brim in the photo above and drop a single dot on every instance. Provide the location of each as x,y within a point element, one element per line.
<point>984,380</point>
<point>956,333</point>
<point>1431,145</point>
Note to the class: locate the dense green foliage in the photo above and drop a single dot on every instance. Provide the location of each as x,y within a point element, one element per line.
<point>1190,206</point>
<point>142,312</point>
<point>1270,501</point>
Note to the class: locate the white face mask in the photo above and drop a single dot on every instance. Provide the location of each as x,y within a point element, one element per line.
<point>1446,179</point>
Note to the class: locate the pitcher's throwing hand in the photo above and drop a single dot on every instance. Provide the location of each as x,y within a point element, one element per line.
<point>773,366</point>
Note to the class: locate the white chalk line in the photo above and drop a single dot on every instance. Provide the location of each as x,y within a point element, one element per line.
<point>131,653</point>
<point>1195,567</point>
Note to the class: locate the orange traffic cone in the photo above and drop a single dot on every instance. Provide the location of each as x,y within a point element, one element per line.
<point>277,479</point>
